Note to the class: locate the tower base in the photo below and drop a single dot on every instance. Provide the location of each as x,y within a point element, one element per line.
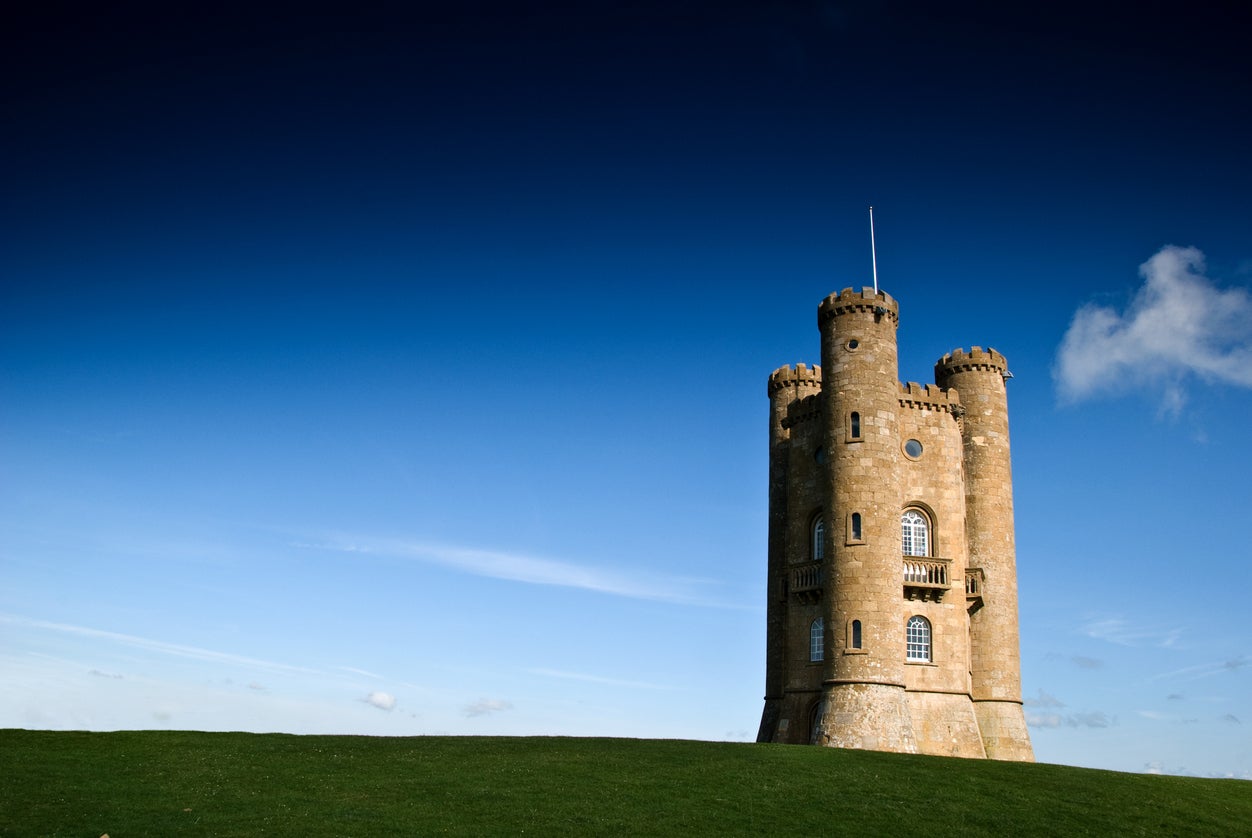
<point>872,717</point>
<point>1003,727</point>
<point>944,724</point>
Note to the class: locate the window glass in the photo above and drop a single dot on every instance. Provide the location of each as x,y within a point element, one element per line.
<point>917,639</point>
<point>915,533</point>
<point>819,539</point>
<point>817,640</point>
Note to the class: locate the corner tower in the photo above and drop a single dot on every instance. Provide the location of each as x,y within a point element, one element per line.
<point>995,656</point>
<point>892,597</point>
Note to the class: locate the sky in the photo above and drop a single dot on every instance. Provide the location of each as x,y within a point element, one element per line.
<point>399,369</point>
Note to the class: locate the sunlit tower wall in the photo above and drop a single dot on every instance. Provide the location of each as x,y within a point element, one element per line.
<point>864,703</point>
<point>995,669</point>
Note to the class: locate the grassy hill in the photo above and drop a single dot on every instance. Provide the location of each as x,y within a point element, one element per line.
<point>164,783</point>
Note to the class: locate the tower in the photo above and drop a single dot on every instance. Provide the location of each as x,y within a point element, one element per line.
<point>892,595</point>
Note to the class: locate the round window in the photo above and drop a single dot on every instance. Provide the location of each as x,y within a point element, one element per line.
<point>913,448</point>
<point>853,344</point>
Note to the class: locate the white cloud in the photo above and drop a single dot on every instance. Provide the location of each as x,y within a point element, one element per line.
<point>486,706</point>
<point>381,700</point>
<point>1178,325</point>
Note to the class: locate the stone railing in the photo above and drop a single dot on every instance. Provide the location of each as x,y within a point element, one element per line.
<point>806,581</point>
<point>926,578</point>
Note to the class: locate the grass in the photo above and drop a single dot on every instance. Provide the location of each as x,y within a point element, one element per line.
<point>164,783</point>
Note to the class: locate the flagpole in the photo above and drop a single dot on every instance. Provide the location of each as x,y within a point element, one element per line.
<point>873,253</point>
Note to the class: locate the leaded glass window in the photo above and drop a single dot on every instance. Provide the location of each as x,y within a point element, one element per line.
<point>917,639</point>
<point>817,640</point>
<point>916,533</point>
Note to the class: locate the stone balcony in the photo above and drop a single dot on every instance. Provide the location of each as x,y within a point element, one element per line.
<point>926,577</point>
<point>805,582</point>
<point>973,588</point>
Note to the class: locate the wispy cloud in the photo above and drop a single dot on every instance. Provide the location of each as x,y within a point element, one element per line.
<point>1158,716</point>
<point>1124,633</point>
<point>1041,719</point>
<point>517,567</point>
<point>1179,325</point>
<point>1043,699</point>
<point>363,672</point>
<point>597,679</point>
<point>1203,670</point>
<point>486,706</point>
<point>148,644</point>
<point>1083,662</point>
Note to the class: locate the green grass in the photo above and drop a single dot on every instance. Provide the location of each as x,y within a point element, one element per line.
<point>162,783</point>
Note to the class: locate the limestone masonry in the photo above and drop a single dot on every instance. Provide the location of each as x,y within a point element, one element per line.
<point>892,614</point>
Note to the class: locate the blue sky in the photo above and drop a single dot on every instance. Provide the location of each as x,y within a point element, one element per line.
<point>403,371</point>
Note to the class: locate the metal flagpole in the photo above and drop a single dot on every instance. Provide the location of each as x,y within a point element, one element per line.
<point>873,253</point>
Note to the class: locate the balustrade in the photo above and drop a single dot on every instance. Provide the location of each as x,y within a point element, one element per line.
<point>926,578</point>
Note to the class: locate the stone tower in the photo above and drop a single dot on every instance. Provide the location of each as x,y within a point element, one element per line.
<point>892,613</point>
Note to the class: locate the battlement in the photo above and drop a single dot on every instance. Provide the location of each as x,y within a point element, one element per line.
<point>865,301</point>
<point>930,397</point>
<point>803,410</point>
<point>797,377</point>
<point>977,359</point>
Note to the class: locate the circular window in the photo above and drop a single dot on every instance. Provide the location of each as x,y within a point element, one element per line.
<point>853,344</point>
<point>913,449</point>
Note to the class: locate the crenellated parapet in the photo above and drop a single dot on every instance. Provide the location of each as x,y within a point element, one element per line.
<point>803,410</point>
<point>802,379</point>
<point>975,360</point>
<point>867,301</point>
<point>930,397</point>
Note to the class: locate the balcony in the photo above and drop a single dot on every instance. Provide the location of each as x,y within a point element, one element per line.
<point>973,588</point>
<point>926,578</point>
<point>806,581</point>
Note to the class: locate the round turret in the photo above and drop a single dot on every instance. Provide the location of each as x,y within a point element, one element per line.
<point>979,377</point>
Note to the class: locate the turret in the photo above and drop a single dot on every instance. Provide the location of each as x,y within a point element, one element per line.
<point>790,389</point>
<point>979,378</point>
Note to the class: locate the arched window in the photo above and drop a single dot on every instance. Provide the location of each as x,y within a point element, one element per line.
<point>818,547</point>
<point>856,634</point>
<point>817,640</point>
<point>917,639</point>
<point>855,526</point>
<point>854,425</point>
<point>916,533</point>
